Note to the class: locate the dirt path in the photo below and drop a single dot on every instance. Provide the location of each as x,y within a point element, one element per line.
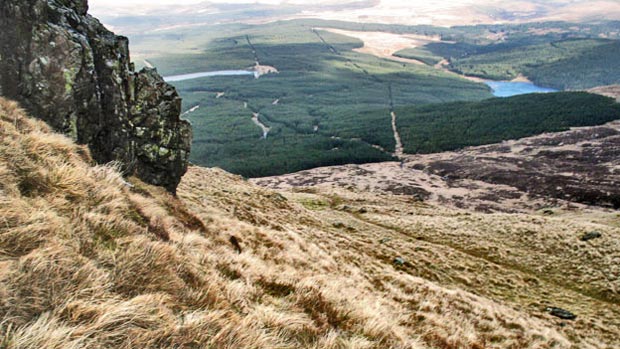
<point>398,149</point>
<point>191,110</point>
<point>263,127</point>
<point>398,144</point>
<point>443,66</point>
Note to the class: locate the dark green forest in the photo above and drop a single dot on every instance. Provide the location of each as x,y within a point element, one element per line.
<point>330,105</point>
<point>323,90</point>
<point>450,126</point>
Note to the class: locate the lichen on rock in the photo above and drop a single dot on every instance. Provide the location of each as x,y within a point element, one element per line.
<point>67,69</point>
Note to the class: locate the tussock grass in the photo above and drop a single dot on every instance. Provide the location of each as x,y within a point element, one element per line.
<point>88,260</point>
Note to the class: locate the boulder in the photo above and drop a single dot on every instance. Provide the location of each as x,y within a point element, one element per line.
<point>591,236</point>
<point>561,313</point>
<point>399,261</point>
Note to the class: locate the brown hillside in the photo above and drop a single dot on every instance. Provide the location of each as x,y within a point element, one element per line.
<point>88,260</point>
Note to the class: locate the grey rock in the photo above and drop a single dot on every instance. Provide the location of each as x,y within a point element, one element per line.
<point>67,69</point>
<point>399,261</point>
<point>561,313</point>
<point>385,240</point>
<point>591,236</point>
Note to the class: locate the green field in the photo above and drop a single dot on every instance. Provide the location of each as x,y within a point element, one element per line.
<point>421,54</point>
<point>333,104</point>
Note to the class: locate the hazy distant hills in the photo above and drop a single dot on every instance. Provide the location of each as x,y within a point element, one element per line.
<point>148,16</point>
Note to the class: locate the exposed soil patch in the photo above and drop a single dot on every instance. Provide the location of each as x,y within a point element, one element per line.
<point>612,91</point>
<point>384,45</point>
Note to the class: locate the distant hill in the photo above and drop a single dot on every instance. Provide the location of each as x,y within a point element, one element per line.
<point>148,16</point>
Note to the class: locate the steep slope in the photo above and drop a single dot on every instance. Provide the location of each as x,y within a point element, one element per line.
<point>68,70</point>
<point>88,260</point>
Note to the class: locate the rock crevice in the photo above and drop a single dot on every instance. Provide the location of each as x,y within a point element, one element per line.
<point>67,69</point>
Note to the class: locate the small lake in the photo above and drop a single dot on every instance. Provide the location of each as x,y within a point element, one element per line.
<point>192,76</point>
<point>508,88</point>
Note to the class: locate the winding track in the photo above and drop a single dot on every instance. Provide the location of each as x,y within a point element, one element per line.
<point>256,120</point>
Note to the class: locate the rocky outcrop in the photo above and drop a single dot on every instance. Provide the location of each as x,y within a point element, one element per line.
<point>66,68</point>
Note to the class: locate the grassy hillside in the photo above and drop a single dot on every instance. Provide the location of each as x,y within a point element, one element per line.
<point>567,64</point>
<point>561,55</point>
<point>421,54</point>
<point>436,128</point>
<point>88,260</point>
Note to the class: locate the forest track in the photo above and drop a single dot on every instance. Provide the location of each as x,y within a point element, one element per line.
<point>247,38</point>
<point>263,127</point>
<point>398,143</point>
<point>398,148</point>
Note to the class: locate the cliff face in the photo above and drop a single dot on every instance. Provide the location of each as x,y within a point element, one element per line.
<point>65,68</point>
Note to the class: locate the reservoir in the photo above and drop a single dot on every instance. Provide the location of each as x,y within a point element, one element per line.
<point>507,88</point>
<point>191,76</point>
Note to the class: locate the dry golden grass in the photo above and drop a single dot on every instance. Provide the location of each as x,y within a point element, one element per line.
<point>471,280</point>
<point>88,260</point>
